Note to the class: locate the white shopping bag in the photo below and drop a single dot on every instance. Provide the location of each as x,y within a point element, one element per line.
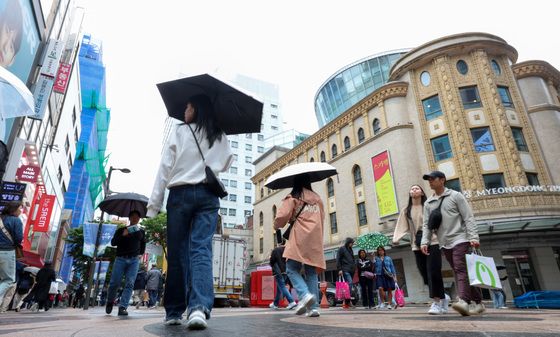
<point>482,272</point>
<point>54,288</point>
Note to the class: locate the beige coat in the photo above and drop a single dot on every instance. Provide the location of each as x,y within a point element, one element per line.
<point>404,226</point>
<point>306,238</point>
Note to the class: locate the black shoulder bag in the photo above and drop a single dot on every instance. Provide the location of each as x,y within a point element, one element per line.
<point>286,234</point>
<point>434,221</point>
<point>214,184</point>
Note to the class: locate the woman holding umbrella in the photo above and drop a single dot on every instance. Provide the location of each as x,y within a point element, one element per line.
<point>304,209</point>
<point>192,211</point>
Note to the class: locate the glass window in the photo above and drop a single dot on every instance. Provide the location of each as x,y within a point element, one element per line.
<point>234,144</point>
<point>462,67</point>
<point>361,135</point>
<point>261,219</point>
<point>330,188</point>
<point>482,139</point>
<point>425,78</point>
<point>493,180</point>
<point>74,116</point>
<point>233,183</point>
<point>323,159</point>
<point>70,162</point>
<point>274,128</point>
<point>261,245</point>
<point>248,172</point>
<point>260,137</point>
<point>226,182</point>
<point>334,226</point>
<point>346,143</point>
<point>432,108</point>
<point>334,152</point>
<point>59,174</point>
<point>357,173</point>
<point>362,217</point>
<point>470,98</point>
<point>496,67</point>
<point>248,185</point>
<point>67,144</point>
<point>453,184</point>
<point>233,170</point>
<point>249,135</point>
<point>223,211</point>
<point>233,197</point>
<point>260,149</point>
<point>274,116</point>
<point>376,126</point>
<point>248,159</point>
<point>248,147</point>
<point>232,212</point>
<point>533,179</point>
<point>519,139</point>
<point>505,96</point>
<point>235,157</point>
<point>262,192</point>
<point>247,213</point>
<point>247,200</point>
<point>441,148</point>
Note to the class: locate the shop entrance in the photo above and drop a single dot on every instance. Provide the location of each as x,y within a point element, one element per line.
<point>520,271</point>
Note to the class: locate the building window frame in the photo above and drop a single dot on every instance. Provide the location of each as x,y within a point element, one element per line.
<point>357,175</point>
<point>333,223</point>
<point>361,136</point>
<point>330,188</point>
<point>470,97</point>
<point>346,143</point>
<point>334,151</point>
<point>482,134</point>
<point>323,157</point>
<point>432,107</point>
<point>519,139</point>
<point>505,96</point>
<point>446,153</point>
<point>376,126</point>
<point>362,215</point>
<point>493,180</point>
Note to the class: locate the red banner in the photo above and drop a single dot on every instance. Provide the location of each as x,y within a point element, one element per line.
<point>28,173</point>
<point>62,78</point>
<point>43,218</point>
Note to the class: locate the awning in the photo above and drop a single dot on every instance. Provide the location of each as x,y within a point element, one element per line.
<point>15,98</point>
<point>32,259</point>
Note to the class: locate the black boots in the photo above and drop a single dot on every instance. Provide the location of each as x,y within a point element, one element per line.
<point>109,307</point>
<point>122,311</point>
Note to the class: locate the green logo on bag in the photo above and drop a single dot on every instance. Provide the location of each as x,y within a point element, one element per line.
<point>482,268</point>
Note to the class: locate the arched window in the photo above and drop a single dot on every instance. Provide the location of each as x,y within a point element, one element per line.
<point>323,159</point>
<point>261,219</point>
<point>334,151</point>
<point>376,126</point>
<point>262,192</point>
<point>361,135</point>
<point>357,173</point>
<point>311,160</point>
<point>330,188</point>
<point>346,143</point>
<point>273,213</point>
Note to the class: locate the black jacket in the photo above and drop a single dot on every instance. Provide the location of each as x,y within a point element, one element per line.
<point>43,284</point>
<point>140,282</point>
<point>345,259</point>
<point>364,265</point>
<point>130,245</point>
<point>277,259</point>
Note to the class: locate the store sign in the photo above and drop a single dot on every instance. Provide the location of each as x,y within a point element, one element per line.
<point>41,95</point>
<point>44,213</point>
<point>28,173</point>
<point>384,184</point>
<point>52,57</point>
<point>62,78</point>
<point>512,190</point>
<point>10,192</point>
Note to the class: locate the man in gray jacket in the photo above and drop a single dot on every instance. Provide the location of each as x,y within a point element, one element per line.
<point>456,234</point>
<point>152,285</point>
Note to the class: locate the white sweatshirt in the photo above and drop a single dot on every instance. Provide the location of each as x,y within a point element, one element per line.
<point>181,163</point>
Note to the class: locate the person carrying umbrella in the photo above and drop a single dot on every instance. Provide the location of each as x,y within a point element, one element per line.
<point>304,209</point>
<point>131,243</point>
<point>192,210</point>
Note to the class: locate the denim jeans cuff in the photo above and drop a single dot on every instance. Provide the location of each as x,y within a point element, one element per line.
<point>201,308</point>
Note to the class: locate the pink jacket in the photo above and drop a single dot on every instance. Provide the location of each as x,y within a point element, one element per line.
<point>306,238</point>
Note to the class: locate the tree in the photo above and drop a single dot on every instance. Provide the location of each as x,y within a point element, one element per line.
<point>156,231</point>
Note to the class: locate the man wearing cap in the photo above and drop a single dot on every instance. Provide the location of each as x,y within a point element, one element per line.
<point>456,234</point>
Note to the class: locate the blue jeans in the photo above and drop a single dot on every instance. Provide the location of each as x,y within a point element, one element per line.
<point>127,266</point>
<point>498,298</point>
<point>153,297</point>
<point>7,270</point>
<point>309,285</point>
<point>192,215</point>
<point>281,290</point>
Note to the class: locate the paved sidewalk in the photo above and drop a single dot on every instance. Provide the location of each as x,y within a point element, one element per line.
<point>248,322</point>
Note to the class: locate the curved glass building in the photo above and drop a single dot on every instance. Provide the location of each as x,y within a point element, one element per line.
<point>352,83</point>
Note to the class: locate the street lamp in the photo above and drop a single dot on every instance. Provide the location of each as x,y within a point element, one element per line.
<point>91,272</point>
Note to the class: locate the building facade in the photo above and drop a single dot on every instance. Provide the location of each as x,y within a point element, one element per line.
<point>462,105</point>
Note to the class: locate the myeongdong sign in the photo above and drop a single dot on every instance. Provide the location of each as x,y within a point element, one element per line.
<point>511,190</point>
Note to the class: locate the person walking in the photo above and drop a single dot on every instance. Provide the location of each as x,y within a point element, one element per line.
<point>385,278</point>
<point>139,287</point>
<point>131,244</point>
<point>278,264</point>
<point>45,276</point>
<point>79,297</point>
<point>192,211</point>
<point>410,221</point>
<point>366,274</point>
<point>456,234</point>
<point>304,250</point>
<point>152,285</point>
<point>11,235</point>
<point>24,285</point>
<point>346,266</point>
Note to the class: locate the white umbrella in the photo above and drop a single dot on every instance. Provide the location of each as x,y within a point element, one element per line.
<point>32,270</point>
<point>15,98</point>
<point>284,178</point>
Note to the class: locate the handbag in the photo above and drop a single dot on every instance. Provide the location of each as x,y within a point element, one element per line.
<point>286,234</point>
<point>342,289</point>
<point>54,287</point>
<point>369,275</point>
<point>482,271</point>
<point>434,221</point>
<point>399,296</point>
<point>18,248</point>
<point>214,184</point>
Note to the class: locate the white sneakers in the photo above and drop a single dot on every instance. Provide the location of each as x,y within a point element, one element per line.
<point>291,305</point>
<point>313,313</point>
<point>272,306</point>
<point>197,320</point>
<point>444,304</point>
<point>305,304</point>
<point>172,321</point>
<point>435,309</point>
<point>461,307</point>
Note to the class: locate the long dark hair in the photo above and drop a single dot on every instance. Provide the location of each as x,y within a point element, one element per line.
<point>409,207</point>
<point>300,182</point>
<point>205,118</point>
<point>11,208</point>
<point>360,252</point>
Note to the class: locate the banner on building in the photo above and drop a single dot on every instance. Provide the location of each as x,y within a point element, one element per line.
<point>101,268</point>
<point>43,219</point>
<point>10,192</point>
<point>90,237</point>
<point>41,94</point>
<point>52,57</point>
<point>384,184</point>
<point>28,173</point>
<point>107,232</point>
<point>62,78</point>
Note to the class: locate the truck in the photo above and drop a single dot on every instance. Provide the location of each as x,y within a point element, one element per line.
<point>229,261</point>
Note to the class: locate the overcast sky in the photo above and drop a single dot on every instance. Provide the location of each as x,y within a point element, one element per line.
<point>295,44</point>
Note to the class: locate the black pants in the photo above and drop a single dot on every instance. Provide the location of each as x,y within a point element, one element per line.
<point>430,269</point>
<point>367,292</point>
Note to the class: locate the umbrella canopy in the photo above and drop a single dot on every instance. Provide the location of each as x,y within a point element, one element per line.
<point>32,270</point>
<point>15,98</point>
<point>370,241</point>
<point>285,177</point>
<point>122,204</point>
<point>236,111</point>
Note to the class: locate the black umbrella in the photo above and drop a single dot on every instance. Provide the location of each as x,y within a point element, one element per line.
<point>122,204</point>
<point>236,111</point>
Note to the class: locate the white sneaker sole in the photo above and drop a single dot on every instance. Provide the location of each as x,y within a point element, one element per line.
<point>301,309</point>
<point>174,321</point>
<point>197,323</point>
